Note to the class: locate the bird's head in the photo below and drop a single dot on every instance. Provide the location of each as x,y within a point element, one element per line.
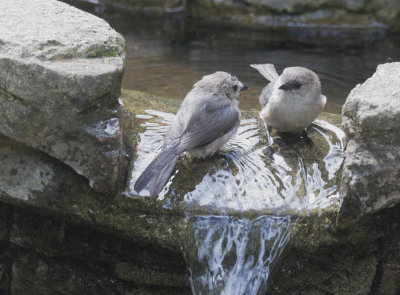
<point>221,83</point>
<point>299,81</point>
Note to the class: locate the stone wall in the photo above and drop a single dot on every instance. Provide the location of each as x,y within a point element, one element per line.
<point>59,235</point>
<point>322,15</point>
<point>52,256</point>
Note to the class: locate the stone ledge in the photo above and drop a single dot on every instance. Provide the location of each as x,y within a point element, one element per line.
<point>60,77</point>
<point>64,219</point>
<point>328,16</point>
<point>55,190</point>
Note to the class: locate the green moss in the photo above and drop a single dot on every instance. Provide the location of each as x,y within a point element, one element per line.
<point>137,102</point>
<point>103,53</point>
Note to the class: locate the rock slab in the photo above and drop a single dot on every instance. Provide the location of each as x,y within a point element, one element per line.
<point>57,236</point>
<point>60,78</point>
<point>338,14</point>
<point>371,121</point>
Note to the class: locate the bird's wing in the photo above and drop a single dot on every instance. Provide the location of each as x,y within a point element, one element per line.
<point>176,128</point>
<point>178,125</point>
<point>211,122</point>
<point>266,94</point>
<point>267,70</point>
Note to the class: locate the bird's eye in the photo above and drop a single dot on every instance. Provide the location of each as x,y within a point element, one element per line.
<point>234,88</point>
<point>296,85</point>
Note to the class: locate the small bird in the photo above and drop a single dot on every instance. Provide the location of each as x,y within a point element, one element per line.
<point>207,118</point>
<point>290,101</point>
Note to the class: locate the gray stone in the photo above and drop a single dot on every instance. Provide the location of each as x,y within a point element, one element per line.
<point>321,14</point>
<point>64,236</point>
<point>139,263</point>
<point>344,270</point>
<point>388,276</point>
<point>4,223</point>
<point>60,77</point>
<point>371,120</point>
<point>6,259</point>
<point>151,7</point>
<point>32,274</point>
<point>36,181</point>
<point>139,246</point>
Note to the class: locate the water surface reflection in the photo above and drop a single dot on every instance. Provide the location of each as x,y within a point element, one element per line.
<point>246,175</point>
<point>166,55</point>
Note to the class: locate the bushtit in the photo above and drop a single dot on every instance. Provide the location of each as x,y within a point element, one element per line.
<point>292,100</point>
<point>208,117</point>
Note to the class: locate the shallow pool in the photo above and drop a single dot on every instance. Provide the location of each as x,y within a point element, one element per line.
<point>166,55</point>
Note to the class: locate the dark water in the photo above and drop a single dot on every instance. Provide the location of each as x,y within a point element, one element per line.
<point>166,55</point>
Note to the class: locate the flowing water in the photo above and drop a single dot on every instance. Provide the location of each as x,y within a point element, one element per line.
<point>256,188</point>
<point>248,174</point>
<point>254,193</point>
<point>233,256</point>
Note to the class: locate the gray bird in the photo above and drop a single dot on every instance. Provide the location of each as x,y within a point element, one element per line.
<point>292,100</point>
<point>208,117</point>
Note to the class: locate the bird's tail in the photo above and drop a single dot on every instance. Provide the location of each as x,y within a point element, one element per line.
<point>267,70</point>
<point>157,173</point>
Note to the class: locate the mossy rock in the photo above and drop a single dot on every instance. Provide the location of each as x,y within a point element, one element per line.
<point>185,193</point>
<point>35,181</point>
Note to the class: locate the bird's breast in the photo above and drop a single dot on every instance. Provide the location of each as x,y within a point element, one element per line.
<point>290,114</point>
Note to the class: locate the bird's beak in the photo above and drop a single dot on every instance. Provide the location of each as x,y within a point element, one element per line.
<point>244,88</point>
<point>285,86</point>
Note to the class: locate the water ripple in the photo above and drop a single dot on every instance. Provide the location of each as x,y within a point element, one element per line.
<point>236,255</point>
<point>249,176</point>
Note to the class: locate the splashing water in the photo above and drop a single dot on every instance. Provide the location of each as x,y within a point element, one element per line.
<point>231,256</point>
<point>248,176</point>
<point>150,143</point>
<point>235,255</point>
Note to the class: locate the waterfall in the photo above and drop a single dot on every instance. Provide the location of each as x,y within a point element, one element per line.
<point>242,205</point>
<point>231,256</point>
